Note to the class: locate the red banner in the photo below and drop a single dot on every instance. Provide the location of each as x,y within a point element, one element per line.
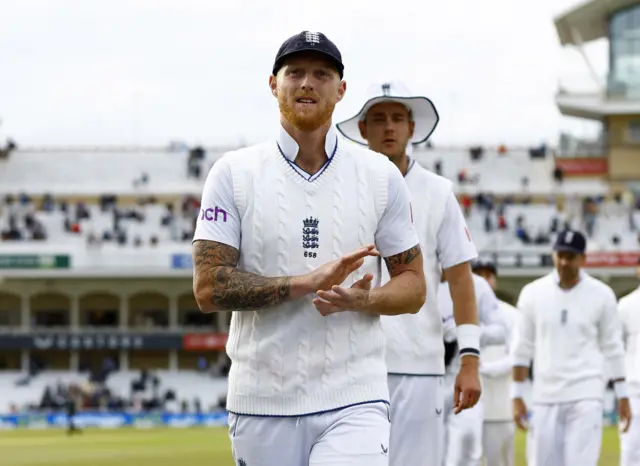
<point>583,166</point>
<point>204,341</point>
<point>613,259</point>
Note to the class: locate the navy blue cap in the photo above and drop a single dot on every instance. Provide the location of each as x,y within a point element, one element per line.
<point>571,241</point>
<point>309,41</point>
<point>484,265</point>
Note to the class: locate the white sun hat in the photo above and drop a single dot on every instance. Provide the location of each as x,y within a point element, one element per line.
<point>422,109</point>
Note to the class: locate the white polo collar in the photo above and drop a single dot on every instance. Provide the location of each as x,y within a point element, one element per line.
<point>289,147</point>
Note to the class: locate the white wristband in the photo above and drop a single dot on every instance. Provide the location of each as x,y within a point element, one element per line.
<point>620,388</point>
<point>469,340</point>
<point>517,390</point>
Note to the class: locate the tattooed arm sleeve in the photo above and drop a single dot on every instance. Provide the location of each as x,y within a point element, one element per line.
<point>406,292</point>
<point>219,286</point>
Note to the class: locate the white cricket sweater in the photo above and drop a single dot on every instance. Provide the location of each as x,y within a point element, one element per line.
<point>289,360</point>
<point>496,371</point>
<point>415,341</point>
<point>570,335</point>
<point>629,309</point>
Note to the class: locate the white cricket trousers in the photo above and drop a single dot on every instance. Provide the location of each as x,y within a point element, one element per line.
<point>566,434</point>
<point>353,436</point>
<point>498,443</point>
<point>630,441</point>
<point>417,404</point>
<point>463,435</point>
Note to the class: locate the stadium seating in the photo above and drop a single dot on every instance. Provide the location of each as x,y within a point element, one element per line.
<point>117,171</point>
<point>502,174</point>
<point>91,174</point>
<point>99,171</point>
<point>188,385</point>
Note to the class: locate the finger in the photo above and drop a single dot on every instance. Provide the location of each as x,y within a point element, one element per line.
<point>325,308</point>
<point>626,423</point>
<point>466,401</point>
<point>353,266</point>
<point>456,396</point>
<point>369,250</point>
<point>519,422</point>
<point>364,283</point>
<point>330,296</point>
<point>341,293</point>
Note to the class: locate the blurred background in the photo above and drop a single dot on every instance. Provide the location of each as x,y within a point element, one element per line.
<point>112,114</point>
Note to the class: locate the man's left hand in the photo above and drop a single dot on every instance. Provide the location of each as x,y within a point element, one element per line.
<point>467,389</point>
<point>340,299</point>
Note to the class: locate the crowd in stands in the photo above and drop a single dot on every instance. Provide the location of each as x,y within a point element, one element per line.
<point>147,223</point>
<point>584,213</point>
<point>177,221</point>
<point>146,391</point>
<point>19,220</point>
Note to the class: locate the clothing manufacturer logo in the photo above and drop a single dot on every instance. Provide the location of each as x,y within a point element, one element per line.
<point>242,462</point>
<point>312,37</point>
<point>386,89</point>
<point>215,214</point>
<point>385,450</point>
<point>310,236</point>
<point>438,411</point>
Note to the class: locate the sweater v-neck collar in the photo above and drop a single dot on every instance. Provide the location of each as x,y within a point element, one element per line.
<point>287,151</point>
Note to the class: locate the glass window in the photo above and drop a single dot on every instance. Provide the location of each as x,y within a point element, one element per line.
<point>624,48</point>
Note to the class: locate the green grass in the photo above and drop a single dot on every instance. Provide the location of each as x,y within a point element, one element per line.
<point>159,447</point>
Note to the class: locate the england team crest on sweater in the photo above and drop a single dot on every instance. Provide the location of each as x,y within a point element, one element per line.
<point>310,236</point>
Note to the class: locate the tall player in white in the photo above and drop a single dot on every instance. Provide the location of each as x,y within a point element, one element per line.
<point>285,241</point>
<point>390,121</point>
<point>629,309</point>
<point>462,439</point>
<point>569,327</point>
<point>498,430</point>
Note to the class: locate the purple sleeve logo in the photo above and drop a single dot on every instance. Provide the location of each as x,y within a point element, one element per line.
<point>215,215</point>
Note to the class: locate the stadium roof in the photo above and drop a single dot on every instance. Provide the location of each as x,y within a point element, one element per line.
<point>594,106</point>
<point>588,21</point>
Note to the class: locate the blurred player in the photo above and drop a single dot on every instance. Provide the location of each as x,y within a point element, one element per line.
<point>284,229</point>
<point>462,440</point>
<point>569,326</point>
<point>71,405</point>
<point>629,309</point>
<point>498,431</point>
<point>390,121</point>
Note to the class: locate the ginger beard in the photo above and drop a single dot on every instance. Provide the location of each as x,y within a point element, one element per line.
<point>306,117</point>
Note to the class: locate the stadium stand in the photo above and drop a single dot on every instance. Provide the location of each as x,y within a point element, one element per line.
<point>511,197</point>
<point>95,271</point>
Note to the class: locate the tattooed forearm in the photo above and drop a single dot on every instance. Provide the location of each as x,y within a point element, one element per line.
<point>398,263</point>
<point>219,285</point>
<point>235,290</point>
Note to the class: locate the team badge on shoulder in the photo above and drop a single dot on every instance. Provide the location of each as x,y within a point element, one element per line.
<point>310,236</point>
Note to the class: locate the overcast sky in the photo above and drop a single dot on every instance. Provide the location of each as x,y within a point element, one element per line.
<point>150,71</point>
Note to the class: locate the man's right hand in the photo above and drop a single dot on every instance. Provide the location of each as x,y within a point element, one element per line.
<point>520,413</point>
<point>336,272</point>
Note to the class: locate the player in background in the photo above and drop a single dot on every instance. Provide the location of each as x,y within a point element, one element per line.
<point>285,240</point>
<point>495,367</point>
<point>629,310</point>
<point>569,326</point>
<point>390,121</point>
<point>462,439</point>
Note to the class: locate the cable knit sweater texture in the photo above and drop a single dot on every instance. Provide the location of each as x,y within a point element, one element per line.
<point>289,360</point>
